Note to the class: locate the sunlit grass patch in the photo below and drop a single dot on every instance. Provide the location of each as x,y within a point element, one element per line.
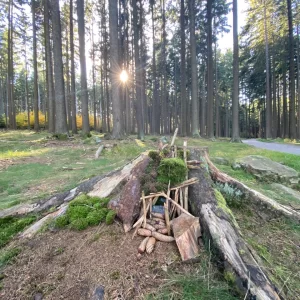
<point>18,154</point>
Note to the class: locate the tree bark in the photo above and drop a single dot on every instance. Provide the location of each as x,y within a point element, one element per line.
<point>35,71</point>
<point>210,78</point>
<point>235,99</point>
<point>73,87</point>
<point>195,110</point>
<point>60,105</point>
<point>183,118</point>
<point>117,131</point>
<point>291,72</point>
<point>49,69</point>
<point>83,77</point>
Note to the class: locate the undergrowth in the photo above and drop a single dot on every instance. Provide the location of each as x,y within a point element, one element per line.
<point>86,211</point>
<point>10,226</point>
<point>202,283</point>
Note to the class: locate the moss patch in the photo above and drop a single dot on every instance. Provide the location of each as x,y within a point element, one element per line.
<point>223,206</point>
<point>85,211</point>
<point>171,170</point>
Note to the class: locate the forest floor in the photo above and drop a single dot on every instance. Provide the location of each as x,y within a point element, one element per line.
<point>64,264</point>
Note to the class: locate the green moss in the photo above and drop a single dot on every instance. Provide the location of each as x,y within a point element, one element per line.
<point>180,154</point>
<point>79,224</point>
<point>229,277</point>
<point>78,212</point>
<point>172,170</point>
<point>96,216</point>
<point>61,221</point>
<point>110,217</point>
<point>223,206</point>
<point>154,155</point>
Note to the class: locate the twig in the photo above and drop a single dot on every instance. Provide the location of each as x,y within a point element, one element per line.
<point>167,217</point>
<point>174,137</point>
<point>248,289</point>
<point>144,208</point>
<point>181,208</point>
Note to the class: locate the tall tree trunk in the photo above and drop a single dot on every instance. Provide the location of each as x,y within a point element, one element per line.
<point>35,71</point>
<point>298,80</point>
<point>49,68</point>
<point>235,100</point>
<point>10,70</point>
<point>203,105</point>
<point>60,105</point>
<point>210,78</point>
<point>68,88</point>
<point>118,131</point>
<point>164,72</point>
<point>138,73</point>
<point>274,126</point>
<point>154,119</point>
<point>285,131</point>
<point>26,87</point>
<point>73,87</point>
<point>183,71</point>
<point>83,77</point>
<point>268,89</point>
<point>195,110</point>
<point>292,72</point>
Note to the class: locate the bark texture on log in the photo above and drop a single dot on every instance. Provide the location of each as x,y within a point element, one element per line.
<point>187,233</point>
<point>129,205</point>
<point>218,224</point>
<point>258,197</point>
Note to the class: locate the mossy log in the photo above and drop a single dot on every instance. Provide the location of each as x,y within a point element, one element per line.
<point>219,226</point>
<point>100,186</point>
<point>259,198</point>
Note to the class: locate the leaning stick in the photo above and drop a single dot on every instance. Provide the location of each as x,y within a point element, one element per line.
<point>185,183</point>
<point>177,205</point>
<point>144,208</point>
<point>167,217</point>
<point>174,137</point>
<point>140,220</point>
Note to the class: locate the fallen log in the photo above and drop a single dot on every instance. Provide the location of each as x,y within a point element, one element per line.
<point>253,195</point>
<point>101,186</point>
<point>219,226</point>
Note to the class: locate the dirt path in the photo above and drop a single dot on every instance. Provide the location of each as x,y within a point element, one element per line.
<point>285,148</point>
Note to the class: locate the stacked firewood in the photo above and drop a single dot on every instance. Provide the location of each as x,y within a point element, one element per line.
<point>155,226</point>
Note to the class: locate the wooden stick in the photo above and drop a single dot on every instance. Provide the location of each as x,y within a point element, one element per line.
<point>177,205</point>
<point>144,207</point>
<point>185,183</point>
<point>186,191</point>
<point>167,217</point>
<point>150,202</point>
<point>175,151</point>
<point>174,137</point>
<point>155,200</point>
<point>176,200</point>
<point>152,195</point>
<point>141,219</point>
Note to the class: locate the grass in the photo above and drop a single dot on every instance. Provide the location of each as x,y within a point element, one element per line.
<point>201,283</point>
<point>276,244</point>
<point>35,166</point>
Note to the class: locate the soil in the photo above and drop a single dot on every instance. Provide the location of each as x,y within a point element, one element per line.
<point>69,264</point>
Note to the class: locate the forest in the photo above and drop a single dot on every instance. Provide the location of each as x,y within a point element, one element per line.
<point>148,67</point>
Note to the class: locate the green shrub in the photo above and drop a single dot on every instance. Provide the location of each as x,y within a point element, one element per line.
<point>110,217</point>
<point>154,155</point>
<point>172,170</point>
